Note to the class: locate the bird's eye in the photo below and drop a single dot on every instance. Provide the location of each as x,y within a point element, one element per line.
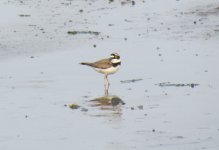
<point>117,57</point>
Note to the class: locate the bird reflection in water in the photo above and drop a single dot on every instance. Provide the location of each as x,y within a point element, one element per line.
<point>109,103</point>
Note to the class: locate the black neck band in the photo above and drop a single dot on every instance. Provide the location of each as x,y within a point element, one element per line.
<point>116,64</point>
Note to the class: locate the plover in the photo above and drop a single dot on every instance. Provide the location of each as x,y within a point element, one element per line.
<point>106,66</point>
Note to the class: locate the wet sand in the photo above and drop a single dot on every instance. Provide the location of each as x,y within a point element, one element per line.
<point>165,95</point>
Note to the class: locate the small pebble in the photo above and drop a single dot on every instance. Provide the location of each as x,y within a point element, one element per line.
<point>179,137</point>
<point>110,25</point>
<point>140,107</point>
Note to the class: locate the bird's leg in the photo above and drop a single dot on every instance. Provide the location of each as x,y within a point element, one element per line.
<point>105,84</point>
<point>108,84</point>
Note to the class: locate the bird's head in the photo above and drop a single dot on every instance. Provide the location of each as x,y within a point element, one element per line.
<point>115,58</point>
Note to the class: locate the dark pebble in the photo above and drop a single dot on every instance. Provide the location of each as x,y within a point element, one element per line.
<point>110,25</point>
<point>140,107</point>
<point>179,137</point>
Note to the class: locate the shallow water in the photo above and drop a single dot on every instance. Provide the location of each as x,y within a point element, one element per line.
<point>41,75</point>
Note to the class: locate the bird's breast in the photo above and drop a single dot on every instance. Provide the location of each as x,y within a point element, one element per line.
<point>110,70</point>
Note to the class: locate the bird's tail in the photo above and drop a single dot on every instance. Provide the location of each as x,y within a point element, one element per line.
<point>85,63</point>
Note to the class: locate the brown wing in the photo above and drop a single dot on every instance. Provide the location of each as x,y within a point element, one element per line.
<point>102,64</point>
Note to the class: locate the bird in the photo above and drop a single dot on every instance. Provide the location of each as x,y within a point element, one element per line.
<point>106,66</point>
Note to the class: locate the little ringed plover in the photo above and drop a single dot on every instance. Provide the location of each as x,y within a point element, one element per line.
<point>106,66</point>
